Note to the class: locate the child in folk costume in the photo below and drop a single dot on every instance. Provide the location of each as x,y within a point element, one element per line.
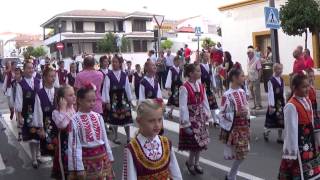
<point>149,86</point>
<point>104,65</point>
<point>62,116</point>
<point>313,98</point>
<point>43,107</point>
<point>71,77</point>
<point>173,83</point>
<point>137,77</point>
<point>117,96</point>
<point>24,104</point>
<point>17,78</point>
<point>89,153</point>
<point>218,78</point>
<point>194,116</point>
<point>129,71</point>
<point>208,80</point>
<point>148,155</point>
<point>300,159</point>
<point>276,101</point>
<point>62,74</point>
<point>7,84</point>
<point>235,122</point>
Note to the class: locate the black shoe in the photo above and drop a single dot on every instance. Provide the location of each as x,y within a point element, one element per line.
<point>198,169</point>
<point>35,165</point>
<point>280,141</point>
<point>117,141</point>
<point>191,169</point>
<point>265,136</point>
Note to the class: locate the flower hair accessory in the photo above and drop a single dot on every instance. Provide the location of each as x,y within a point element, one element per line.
<point>237,65</point>
<point>89,85</point>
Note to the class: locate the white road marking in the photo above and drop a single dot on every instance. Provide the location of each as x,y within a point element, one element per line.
<point>2,165</point>
<point>134,131</point>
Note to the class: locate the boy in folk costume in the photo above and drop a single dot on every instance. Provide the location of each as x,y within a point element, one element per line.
<point>17,78</point>
<point>44,105</point>
<point>104,65</point>
<point>137,77</point>
<point>173,83</point>
<point>7,84</point>
<point>89,153</point>
<point>300,158</point>
<point>148,155</point>
<point>195,114</point>
<point>276,101</point>
<point>62,74</point>
<point>24,104</point>
<point>234,122</point>
<point>129,71</point>
<point>71,77</point>
<point>116,94</point>
<point>208,80</point>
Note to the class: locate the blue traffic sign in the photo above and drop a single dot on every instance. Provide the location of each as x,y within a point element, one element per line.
<point>197,30</point>
<point>271,15</point>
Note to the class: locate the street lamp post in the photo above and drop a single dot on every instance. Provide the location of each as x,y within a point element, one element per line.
<point>159,20</point>
<point>274,40</point>
<point>60,26</point>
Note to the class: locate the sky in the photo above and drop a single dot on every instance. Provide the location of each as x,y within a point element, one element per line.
<point>26,16</point>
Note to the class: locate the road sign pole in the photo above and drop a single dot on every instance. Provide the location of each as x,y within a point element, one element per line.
<point>274,40</point>
<point>198,47</point>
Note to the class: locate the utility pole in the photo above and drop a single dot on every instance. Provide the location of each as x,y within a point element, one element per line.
<point>274,40</point>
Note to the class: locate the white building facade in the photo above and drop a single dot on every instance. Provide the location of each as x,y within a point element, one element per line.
<point>80,30</point>
<point>244,25</point>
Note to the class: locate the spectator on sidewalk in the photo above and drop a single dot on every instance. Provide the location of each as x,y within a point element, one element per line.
<point>187,54</point>
<point>299,63</point>
<point>254,71</point>
<point>161,70</point>
<point>308,61</point>
<point>152,56</point>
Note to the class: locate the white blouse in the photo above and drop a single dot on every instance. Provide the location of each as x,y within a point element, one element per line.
<point>142,89</point>
<point>19,93</point>
<point>87,130</point>
<point>153,150</point>
<point>105,71</point>
<point>62,119</point>
<point>169,77</point>
<point>271,93</point>
<point>106,87</point>
<point>290,146</point>
<point>232,101</point>
<point>183,101</point>
<point>38,113</point>
<point>7,91</point>
<point>212,78</point>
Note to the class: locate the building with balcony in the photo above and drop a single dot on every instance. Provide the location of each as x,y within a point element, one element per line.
<point>80,30</point>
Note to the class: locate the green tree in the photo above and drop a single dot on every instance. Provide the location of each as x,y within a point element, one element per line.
<point>167,44</point>
<point>207,43</point>
<point>108,44</point>
<point>125,45</point>
<point>298,16</point>
<point>38,52</point>
<point>28,52</point>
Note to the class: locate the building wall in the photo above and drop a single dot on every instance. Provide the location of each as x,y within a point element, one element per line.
<point>149,25</point>
<point>109,26</point>
<point>69,26</point>
<point>127,26</point>
<point>88,26</point>
<point>238,26</point>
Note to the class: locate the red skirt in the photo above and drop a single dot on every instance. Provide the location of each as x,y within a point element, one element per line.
<point>289,169</point>
<point>96,163</point>
<point>188,142</point>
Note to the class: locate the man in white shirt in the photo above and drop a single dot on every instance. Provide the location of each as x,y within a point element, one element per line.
<point>152,56</point>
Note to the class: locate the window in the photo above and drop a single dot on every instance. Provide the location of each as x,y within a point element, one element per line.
<point>63,26</point>
<point>140,46</point>
<point>100,27</point>
<point>120,26</point>
<point>139,25</point>
<point>79,27</point>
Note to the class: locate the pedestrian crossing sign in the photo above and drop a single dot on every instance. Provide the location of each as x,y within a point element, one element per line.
<point>197,31</point>
<point>272,17</point>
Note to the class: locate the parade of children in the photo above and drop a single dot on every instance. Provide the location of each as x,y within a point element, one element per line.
<point>113,120</point>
